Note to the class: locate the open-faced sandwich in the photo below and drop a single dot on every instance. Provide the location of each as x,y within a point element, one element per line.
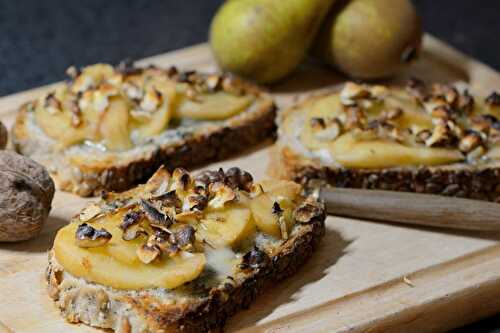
<point>180,253</point>
<point>108,128</point>
<point>419,138</point>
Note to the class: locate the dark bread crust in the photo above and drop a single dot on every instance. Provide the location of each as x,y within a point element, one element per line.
<point>209,312</point>
<point>459,180</point>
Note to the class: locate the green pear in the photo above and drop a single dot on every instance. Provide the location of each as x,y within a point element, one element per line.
<point>264,40</point>
<point>370,39</point>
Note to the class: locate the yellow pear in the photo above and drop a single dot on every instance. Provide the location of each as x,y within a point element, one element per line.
<point>264,40</point>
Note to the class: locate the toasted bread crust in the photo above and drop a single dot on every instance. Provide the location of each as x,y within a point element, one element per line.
<point>458,180</point>
<point>118,175</point>
<point>130,312</point>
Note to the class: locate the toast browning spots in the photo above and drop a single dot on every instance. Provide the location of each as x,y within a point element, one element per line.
<point>421,138</point>
<point>108,128</point>
<point>180,253</point>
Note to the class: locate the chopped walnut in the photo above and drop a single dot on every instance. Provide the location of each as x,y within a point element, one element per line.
<point>147,253</point>
<point>329,129</point>
<point>88,236</point>
<point>238,179</point>
<point>493,99</point>
<point>221,194</point>
<point>181,179</point>
<point>353,92</point>
<point>470,142</point>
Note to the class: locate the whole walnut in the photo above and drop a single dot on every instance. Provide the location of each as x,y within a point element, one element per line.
<point>26,193</point>
<point>4,137</point>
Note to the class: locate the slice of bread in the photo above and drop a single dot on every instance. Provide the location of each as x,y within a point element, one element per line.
<point>427,139</point>
<point>87,163</point>
<point>233,274</point>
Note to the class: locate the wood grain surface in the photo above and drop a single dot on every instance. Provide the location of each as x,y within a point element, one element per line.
<point>365,276</point>
<point>413,208</point>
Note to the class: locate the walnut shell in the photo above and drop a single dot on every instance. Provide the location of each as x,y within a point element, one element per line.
<point>4,136</point>
<point>25,199</point>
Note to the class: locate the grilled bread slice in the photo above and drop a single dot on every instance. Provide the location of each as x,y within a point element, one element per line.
<point>108,128</point>
<point>181,253</point>
<point>420,138</point>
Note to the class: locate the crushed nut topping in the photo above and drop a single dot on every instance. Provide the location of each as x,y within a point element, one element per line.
<point>156,218</point>
<point>327,130</point>
<point>131,227</point>
<point>493,99</point>
<point>87,236</point>
<point>148,252</point>
<point>238,179</point>
<point>220,194</point>
<point>276,209</point>
<point>470,142</point>
<point>181,179</point>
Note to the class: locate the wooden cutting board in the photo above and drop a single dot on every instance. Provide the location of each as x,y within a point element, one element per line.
<point>365,277</point>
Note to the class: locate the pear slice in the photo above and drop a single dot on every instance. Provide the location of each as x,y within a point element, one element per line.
<point>267,221</point>
<point>114,126</point>
<point>217,106</point>
<point>226,227</point>
<point>58,127</point>
<point>351,153</point>
<point>96,265</point>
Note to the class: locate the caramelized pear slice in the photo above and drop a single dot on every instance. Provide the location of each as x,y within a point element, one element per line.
<point>96,265</point>
<point>114,127</point>
<point>385,154</point>
<point>227,227</point>
<point>58,127</point>
<point>267,218</point>
<point>217,106</point>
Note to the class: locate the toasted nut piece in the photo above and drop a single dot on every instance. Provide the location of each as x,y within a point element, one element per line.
<point>423,136</point>
<point>331,130</point>
<point>317,123</point>
<point>470,142</point>
<point>466,102</point>
<point>255,259</point>
<point>169,199</point>
<point>379,92</point>
<point>213,82</point>
<point>130,226</point>
<point>238,179</point>
<point>184,237</point>
<point>352,92</point>
<point>52,104</point>
<point>276,209</point>
<point>72,72</point>
<point>181,179</point>
<point>205,178</point>
<point>152,99</point>
<point>483,123</point>
<point>87,236</point>
<point>133,91</point>
<point>196,202</point>
<point>256,190</point>
<point>220,195</point>
<point>90,212</point>
<point>417,89</point>
<point>493,99</point>
<point>148,252</point>
<point>441,136</point>
<point>442,112</point>
<point>155,217</point>
<point>355,117</point>
<point>308,210</point>
<point>192,94</point>
<point>231,85</point>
